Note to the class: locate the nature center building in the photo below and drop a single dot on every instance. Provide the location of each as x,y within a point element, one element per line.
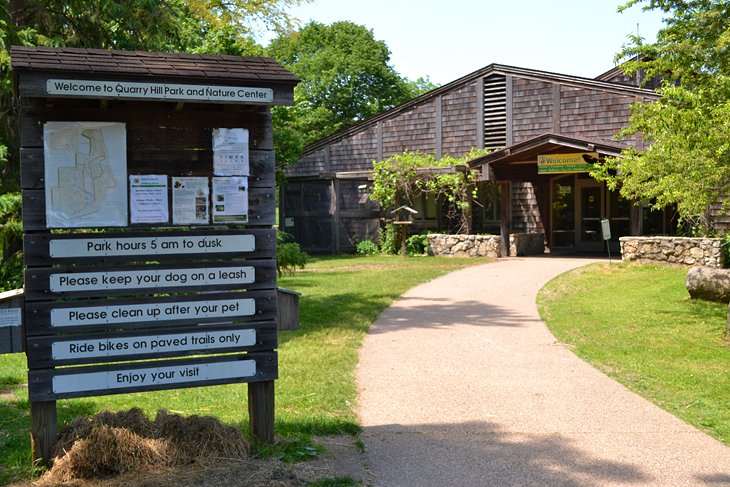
<point>564,122</point>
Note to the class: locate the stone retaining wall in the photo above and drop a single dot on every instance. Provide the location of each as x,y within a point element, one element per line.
<point>484,245</point>
<point>677,250</point>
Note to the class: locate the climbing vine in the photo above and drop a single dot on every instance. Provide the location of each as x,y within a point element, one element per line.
<point>401,178</point>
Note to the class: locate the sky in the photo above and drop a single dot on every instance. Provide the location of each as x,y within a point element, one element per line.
<point>447,39</point>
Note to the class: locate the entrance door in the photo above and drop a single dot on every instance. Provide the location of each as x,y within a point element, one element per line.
<point>590,212</point>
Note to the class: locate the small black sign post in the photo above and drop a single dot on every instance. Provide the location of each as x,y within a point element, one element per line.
<point>148,213</point>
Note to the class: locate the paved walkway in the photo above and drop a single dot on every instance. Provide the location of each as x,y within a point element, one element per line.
<point>461,384</point>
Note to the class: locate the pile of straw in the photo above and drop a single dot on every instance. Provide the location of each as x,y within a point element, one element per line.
<point>111,444</point>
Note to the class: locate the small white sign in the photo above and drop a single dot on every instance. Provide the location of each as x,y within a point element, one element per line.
<point>152,376</point>
<point>157,245</point>
<point>158,91</point>
<point>140,345</point>
<point>230,199</point>
<point>209,276</point>
<point>230,152</point>
<point>10,317</point>
<point>190,198</point>
<point>148,198</point>
<point>141,313</point>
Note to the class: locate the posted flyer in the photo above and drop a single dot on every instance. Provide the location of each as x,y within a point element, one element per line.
<point>230,199</point>
<point>148,198</point>
<point>190,201</point>
<point>230,152</point>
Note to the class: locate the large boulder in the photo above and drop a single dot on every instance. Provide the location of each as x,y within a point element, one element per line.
<point>709,284</point>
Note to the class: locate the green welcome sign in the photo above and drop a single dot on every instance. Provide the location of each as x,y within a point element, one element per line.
<point>566,163</point>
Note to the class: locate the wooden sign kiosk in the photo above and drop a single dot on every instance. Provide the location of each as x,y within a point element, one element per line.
<point>148,206</point>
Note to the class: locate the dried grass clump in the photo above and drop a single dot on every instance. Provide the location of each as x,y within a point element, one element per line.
<point>110,444</point>
<point>201,436</point>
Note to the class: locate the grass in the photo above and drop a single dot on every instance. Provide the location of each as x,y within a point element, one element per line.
<point>637,324</point>
<point>315,394</point>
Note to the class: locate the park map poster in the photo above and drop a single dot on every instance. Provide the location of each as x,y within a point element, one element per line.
<point>86,174</point>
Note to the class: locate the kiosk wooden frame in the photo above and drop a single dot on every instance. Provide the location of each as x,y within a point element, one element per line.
<point>88,304</point>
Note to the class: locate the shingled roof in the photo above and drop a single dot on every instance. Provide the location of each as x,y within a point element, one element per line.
<point>140,64</point>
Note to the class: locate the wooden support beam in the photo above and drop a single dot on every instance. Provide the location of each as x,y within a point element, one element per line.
<point>439,128</point>
<point>505,217</point>
<point>261,410</point>
<point>43,431</point>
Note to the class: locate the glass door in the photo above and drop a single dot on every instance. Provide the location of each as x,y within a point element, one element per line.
<point>563,211</point>
<point>590,213</point>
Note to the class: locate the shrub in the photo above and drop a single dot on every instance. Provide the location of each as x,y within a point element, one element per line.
<point>417,244</point>
<point>390,239</point>
<point>289,256</point>
<point>367,247</point>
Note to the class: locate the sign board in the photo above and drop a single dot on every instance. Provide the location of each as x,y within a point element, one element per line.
<point>119,246</point>
<point>158,91</point>
<point>90,315</point>
<point>115,346</point>
<point>153,278</point>
<point>153,245</point>
<point>11,317</point>
<point>119,297</point>
<point>606,229</point>
<point>69,382</point>
<point>566,163</point>
<point>113,314</point>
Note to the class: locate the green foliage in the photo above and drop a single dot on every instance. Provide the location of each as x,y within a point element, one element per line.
<point>390,239</point>
<point>11,232</point>
<point>402,177</point>
<point>726,249</point>
<point>346,78</point>
<point>336,482</point>
<point>289,256</point>
<point>417,244</point>
<point>11,273</point>
<point>687,163</point>
<point>290,450</point>
<point>367,247</point>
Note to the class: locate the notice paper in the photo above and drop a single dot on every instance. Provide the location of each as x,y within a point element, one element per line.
<point>230,152</point>
<point>230,199</point>
<point>148,198</point>
<point>190,201</point>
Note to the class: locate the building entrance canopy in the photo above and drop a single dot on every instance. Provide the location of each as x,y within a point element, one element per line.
<point>550,189</point>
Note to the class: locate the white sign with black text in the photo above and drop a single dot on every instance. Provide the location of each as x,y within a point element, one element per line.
<point>141,313</point>
<point>157,245</point>
<point>154,278</point>
<point>147,344</point>
<point>152,376</point>
<point>158,91</point>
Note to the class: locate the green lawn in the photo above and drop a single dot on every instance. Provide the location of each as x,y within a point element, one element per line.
<point>315,394</point>
<point>637,324</point>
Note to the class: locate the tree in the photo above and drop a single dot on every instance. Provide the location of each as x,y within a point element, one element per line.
<point>345,76</point>
<point>687,162</point>
<point>402,177</point>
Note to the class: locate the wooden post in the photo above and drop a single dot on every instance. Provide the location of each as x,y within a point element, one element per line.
<point>403,234</point>
<point>261,410</point>
<point>43,431</point>
<point>505,217</point>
